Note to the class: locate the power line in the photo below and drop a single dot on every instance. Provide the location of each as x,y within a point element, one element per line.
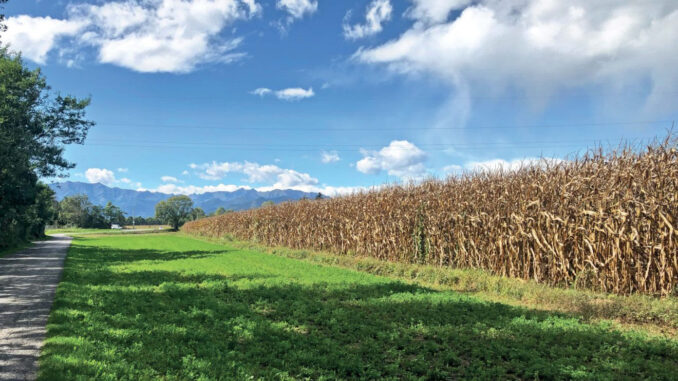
<point>156,143</point>
<point>330,129</point>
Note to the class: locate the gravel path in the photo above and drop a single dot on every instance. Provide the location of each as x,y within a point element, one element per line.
<point>28,281</point>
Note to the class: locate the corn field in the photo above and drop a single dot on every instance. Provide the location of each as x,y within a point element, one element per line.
<point>605,221</point>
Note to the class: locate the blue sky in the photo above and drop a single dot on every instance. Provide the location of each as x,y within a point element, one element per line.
<point>198,95</point>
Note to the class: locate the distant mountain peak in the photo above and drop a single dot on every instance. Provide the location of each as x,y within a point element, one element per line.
<point>142,203</point>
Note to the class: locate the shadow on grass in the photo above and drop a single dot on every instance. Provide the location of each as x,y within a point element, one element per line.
<point>173,325</point>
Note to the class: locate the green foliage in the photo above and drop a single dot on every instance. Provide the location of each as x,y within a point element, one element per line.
<point>142,221</point>
<point>113,214</point>
<point>656,314</point>
<point>174,211</point>
<point>170,307</point>
<point>267,203</point>
<point>78,211</point>
<point>197,213</point>
<point>34,128</point>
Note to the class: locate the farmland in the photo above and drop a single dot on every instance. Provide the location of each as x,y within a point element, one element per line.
<point>173,307</point>
<point>606,221</point>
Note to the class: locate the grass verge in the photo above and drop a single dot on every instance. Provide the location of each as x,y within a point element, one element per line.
<point>81,231</point>
<point>656,315</point>
<point>166,306</point>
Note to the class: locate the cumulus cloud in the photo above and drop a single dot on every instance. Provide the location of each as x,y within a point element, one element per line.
<point>500,165</point>
<point>434,11</point>
<point>261,91</point>
<point>35,36</point>
<point>400,158</point>
<point>170,179</point>
<point>378,11</point>
<point>145,36</point>
<point>129,182</point>
<point>297,8</point>
<point>100,175</point>
<point>279,178</point>
<point>329,157</point>
<point>538,46</point>
<point>268,177</point>
<point>289,94</point>
<point>107,177</point>
<point>192,189</point>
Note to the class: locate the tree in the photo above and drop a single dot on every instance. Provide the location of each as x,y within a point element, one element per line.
<point>267,204</point>
<point>219,211</point>
<point>319,196</point>
<point>113,214</point>
<point>35,126</point>
<point>197,213</point>
<point>75,210</point>
<point>174,211</point>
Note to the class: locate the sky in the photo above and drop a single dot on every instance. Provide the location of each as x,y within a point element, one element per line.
<point>191,96</point>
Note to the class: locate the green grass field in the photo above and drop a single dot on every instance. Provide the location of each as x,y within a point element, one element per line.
<point>104,231</point>
<point>171,307</point>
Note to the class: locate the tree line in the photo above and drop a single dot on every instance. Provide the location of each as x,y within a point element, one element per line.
<point>36,124</point>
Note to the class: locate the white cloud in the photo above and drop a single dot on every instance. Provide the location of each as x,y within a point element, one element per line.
<point>100,175</point>
<point>298,8</point>
<point>329,157</point>
<point>170,179</point>
<point>289,94</point>
<point>192,189</point>
<point>261,91</point>
<point>496,165</point>
<point>400,158</point>
<point>142,35</point>
<point>378,11</point>
<point>435,11</point>
<point>279,178</point>
<point>294,94</point>
<point>123,170</point>
<point>129,182</point>
<point>539,46</point>
<point>513,165</point>
<point>107,177</point>
<point>452,169</point>
<point>185,173</point>
<point>36,36</point>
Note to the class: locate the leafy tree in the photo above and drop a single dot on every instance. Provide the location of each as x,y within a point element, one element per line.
<point>319,196</point>
<point>197,213</point>
<point>113,214</point>
<point>174,211</point>
<point>42,212</point>
<point>221,210</point>
<point>74,210</point>
<point>35,126</point>
<point>267,203</point>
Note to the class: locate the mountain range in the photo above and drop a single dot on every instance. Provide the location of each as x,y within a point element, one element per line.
<point>142,203</point>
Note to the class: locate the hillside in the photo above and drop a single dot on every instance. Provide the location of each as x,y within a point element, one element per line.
<point>142,203</point>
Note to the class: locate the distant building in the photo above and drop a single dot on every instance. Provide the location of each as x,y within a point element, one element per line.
<point>116,226</point>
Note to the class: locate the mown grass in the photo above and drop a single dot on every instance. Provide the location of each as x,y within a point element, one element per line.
<point>658,315</point>
<point>87,231</point>
<point>78,230</point>
<point>171,307</point>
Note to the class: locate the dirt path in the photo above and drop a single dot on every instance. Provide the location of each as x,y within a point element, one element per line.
<point>28,281</point>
